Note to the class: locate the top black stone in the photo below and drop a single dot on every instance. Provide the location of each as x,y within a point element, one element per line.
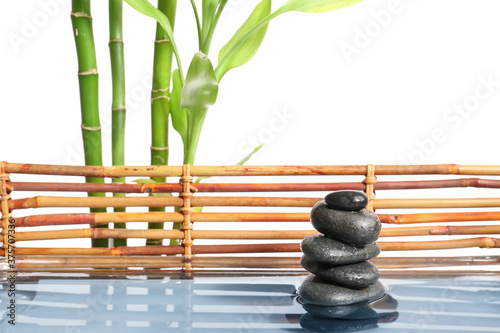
<point>347,200</point>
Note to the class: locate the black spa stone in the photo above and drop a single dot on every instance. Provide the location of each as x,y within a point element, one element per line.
<point>352,228</point>
<point>352,312</point>
<point>313,323</point>
<point>347,200</point>
<point>315,290</point>
<point>332,252</point>
<point>356,276</point>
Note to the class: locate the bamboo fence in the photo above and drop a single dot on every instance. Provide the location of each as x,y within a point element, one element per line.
<point>284,239</point>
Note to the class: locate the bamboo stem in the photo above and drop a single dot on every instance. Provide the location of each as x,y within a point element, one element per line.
<point>160,100</point>
<point>438,217</point>
<point>246,234</point>
<point>256,187</point>
<point>46,201</point>
<point>208,171</point>
<point>89,91</point>
<point>101,218</point>
<point>118,108</point>
<point>38,262</point>
<point>482,242</point>
<point>437,203</point>
<point>155,217</point>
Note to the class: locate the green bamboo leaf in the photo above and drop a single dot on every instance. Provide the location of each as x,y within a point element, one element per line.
<point>179,116</point>
<point>243,161</point>
<point>201,87</point>
<point>315,6</point>
<point>149,181</point>
<point>144,181</point>
<point>198,94</point>
<point>251,45</point>
<point>209,7</point>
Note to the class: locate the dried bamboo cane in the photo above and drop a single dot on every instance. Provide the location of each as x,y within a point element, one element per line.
<point>482,242</point>
<point>437,203</point>
<point>102,218</point>
<point>257,187</point>
<point>38,262</point>
<point>205,171</point>
<point>441,230</point>
<point>246,234</point>
<point>155,217</point>
<point>438,217</point>
<point>44,201</point>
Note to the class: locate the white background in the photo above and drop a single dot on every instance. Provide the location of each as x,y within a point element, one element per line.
<point>390,100</point>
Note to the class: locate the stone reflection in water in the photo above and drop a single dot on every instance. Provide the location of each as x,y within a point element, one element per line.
<point>349,318</point>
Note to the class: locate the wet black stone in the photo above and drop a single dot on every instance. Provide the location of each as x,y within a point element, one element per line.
<point>315,290</point>
<point>352,312</point>
<point>352,228</point>
<point>357,276</point>
<point>347,200</point>
<point>317,324</point>
<point>332,252</point>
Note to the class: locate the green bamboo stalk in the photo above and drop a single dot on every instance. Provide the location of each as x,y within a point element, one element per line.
<point>160,99</point>
<point>81,20</point>
<point>118,109</point>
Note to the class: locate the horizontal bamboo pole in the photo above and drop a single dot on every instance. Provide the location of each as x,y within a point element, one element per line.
<point>94,219</point>
<point>245,234</point>
<point>482,242</point>
<point>24,262</point>
<point>251,187</point>
<point>152,201</point>
<point>98,233</point>
<point>441,230</point>
<point>438,217</point>
<point>436,203</point>
<point>97,187</point>
<point>176,171</point>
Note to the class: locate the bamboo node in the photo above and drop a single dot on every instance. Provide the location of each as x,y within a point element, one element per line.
<point>80,14</point>
<point>121,108</point>
<point>159,41</point>
<point>439,231</point>
<point>93,71</point>
<point>159,148</point>
<point>90,128</point>
<point>115,41</point>
<point>159,97</point>
<point>167,89</point>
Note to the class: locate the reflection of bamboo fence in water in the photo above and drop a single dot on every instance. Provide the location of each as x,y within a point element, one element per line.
<point>187,199</point>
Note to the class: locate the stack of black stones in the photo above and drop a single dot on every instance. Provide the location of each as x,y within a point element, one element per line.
<point>343,282</point>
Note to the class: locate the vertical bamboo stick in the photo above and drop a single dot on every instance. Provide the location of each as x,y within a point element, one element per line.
<point>6,215</point>
<point>370,181</point>
<point>186,210</point>
<point>160,100</point>
<point>89,92</point>
<point>118,108</point>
